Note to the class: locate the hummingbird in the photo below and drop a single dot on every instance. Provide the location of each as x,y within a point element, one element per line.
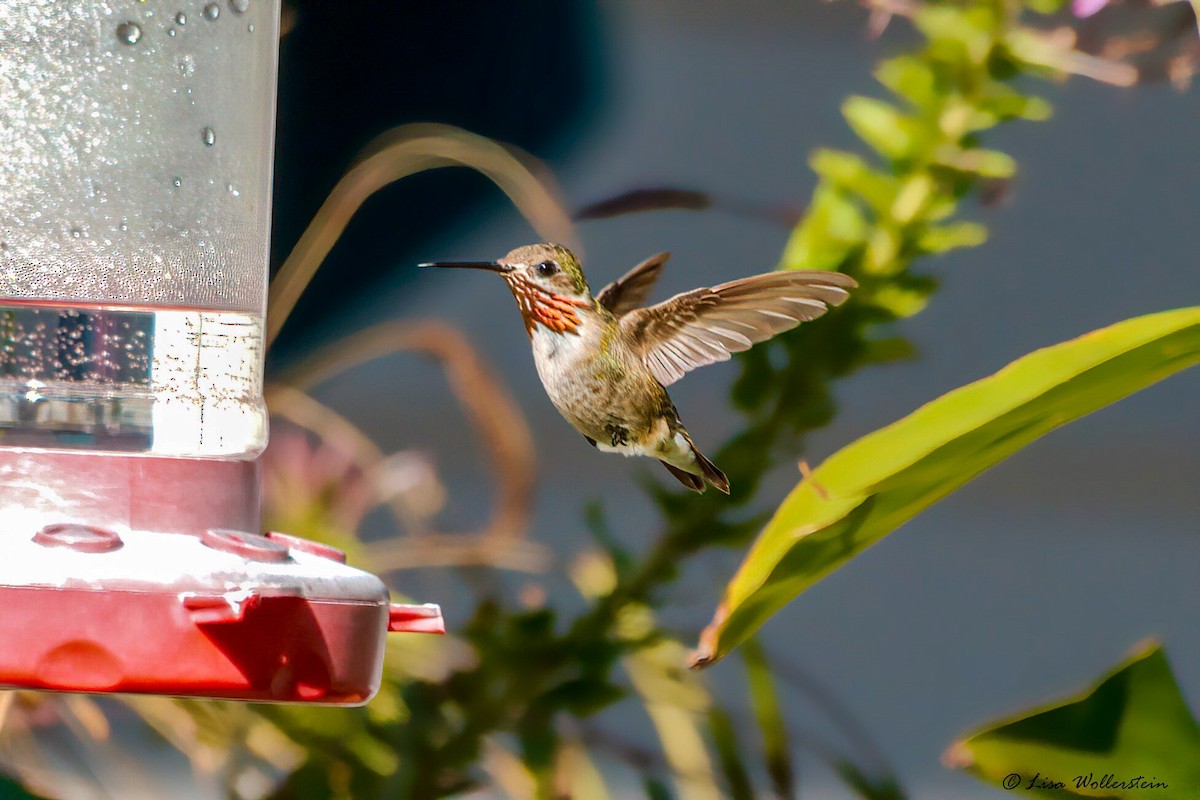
<point>605,361</point>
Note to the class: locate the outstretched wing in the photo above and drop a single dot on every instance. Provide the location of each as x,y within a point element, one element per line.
<point>629,291</point>
<point>706,325</point>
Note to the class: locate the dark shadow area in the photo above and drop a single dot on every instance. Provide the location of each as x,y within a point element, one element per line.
<point>527,73</point>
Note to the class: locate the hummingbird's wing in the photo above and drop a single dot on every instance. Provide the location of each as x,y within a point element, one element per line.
<point>629,291</point>
<point>706,325</point>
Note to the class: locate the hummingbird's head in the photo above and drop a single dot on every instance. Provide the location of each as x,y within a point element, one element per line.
<point>547,281</point>
<point>550,268</point>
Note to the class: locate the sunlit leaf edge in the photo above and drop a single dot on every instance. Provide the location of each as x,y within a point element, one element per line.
<point>877,483</point>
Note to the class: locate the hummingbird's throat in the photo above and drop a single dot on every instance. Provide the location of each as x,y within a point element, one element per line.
<point>541,307</point>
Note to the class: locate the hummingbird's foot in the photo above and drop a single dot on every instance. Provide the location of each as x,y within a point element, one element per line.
<point>618,436</point>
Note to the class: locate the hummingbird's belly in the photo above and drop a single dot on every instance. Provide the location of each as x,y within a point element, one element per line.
<point>600,411</point>
<point>620,416</point>
<point>617,405</point>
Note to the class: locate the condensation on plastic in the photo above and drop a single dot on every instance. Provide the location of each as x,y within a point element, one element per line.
<point>135,151</point>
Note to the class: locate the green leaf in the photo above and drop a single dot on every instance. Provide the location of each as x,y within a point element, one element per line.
<point>874,485</point>
<point>1008,103</point>
<point>12,789</point>
<point>833,227</point>
<point>981,162</point>
<point>1046,6</point>
<point>886,350</point>
<point>583,697</point>
<point>729,755</point>
<point>940,238</point>
<point>765,702</point>
<point>910,77</point>
<point>881,125</point>
<point>970,29</point>
<point>864,786</point>
<point>656,789</point>
<point>902,301</point>
<point>848,172</point>
<point>913,198</point>
<point>1130,735</point>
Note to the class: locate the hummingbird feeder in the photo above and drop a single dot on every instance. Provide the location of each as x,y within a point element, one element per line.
<point>135,174</point>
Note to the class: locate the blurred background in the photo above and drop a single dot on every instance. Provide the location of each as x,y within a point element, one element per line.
<point>1017,589</point>
<point>1021,587</point>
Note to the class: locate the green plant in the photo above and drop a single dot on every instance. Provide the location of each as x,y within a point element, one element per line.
<point>511,699</point>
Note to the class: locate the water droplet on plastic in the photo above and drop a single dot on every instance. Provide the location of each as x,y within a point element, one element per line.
<point>239,6</point>
<point>181,18</point>
<point>208,136</point>
<point>129,32</point>
<point>212,11</point>
<point>124,226</point>
<point>233,190</point>
<point>177,182</point>
<point>250,27</point>
<point>76,233</point>
<point>171,32</point>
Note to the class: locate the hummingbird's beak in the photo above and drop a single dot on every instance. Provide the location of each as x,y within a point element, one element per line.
<point>491,266</point>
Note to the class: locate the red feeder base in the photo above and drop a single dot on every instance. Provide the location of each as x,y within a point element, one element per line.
<point>92,603</point>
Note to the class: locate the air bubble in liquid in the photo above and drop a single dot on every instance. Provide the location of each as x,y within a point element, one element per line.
<point>129,32</point>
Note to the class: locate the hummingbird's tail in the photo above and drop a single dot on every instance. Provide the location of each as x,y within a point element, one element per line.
<point>709,472</point>
<point>693,482</point>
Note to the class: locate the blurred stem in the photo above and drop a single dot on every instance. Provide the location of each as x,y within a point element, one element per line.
<point>764,701</point>
<point>508,772</point>
<point>301,409</point>
<point>490,408</point>
<point>7,698</point>
<point>396,154</point>
<point>670,699</point>
<point>456,550</point>
<point>800,680</point>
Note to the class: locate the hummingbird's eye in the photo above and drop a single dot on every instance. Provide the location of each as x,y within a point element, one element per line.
<point>547,268</point>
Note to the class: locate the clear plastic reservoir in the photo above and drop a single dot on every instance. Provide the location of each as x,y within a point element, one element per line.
<point>135,169</point>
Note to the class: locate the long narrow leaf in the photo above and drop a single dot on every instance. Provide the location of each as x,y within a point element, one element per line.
<point>578,776</point>
<point>871,487</point>
<point>729,755</point>
<point>765,702</point>
<point>675,702</point>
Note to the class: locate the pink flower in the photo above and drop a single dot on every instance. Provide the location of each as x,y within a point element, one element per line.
<point>1085,8</point>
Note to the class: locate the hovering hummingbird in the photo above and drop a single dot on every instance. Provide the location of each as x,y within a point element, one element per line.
<point>605,361</point>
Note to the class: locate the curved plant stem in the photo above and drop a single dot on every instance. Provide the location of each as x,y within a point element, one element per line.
<point>401,152</point>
